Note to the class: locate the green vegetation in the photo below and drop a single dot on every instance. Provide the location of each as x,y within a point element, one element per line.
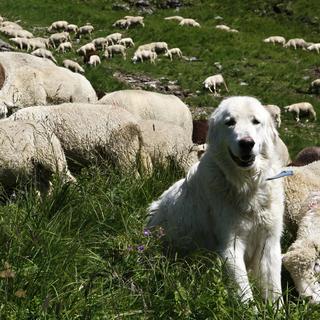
<point>81,252</point>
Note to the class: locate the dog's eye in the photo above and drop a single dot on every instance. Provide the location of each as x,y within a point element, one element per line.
<point>255,121</point>
<point>231,122</point>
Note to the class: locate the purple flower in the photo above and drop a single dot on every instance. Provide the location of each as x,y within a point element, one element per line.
<point>147,232</point>
<point>140,248</point>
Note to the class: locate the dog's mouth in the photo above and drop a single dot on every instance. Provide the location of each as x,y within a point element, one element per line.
<point>245,161</point>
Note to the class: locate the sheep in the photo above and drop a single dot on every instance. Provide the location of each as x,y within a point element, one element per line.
<point>315,86</point>
<point>159,47</point>
<point>301,108</point>
<point>30,80</point>
<point>64,46</point>
<point>314,46</point>
<point>296,43</point>
<point>87,29</point>
<point>87,48</point>
<point>114,38</point>
<point>178,18</point>
<point>94,60</point>
<point>43,53</point>
<point>173,51</point>
<point>189,22</point>
<point>12,25</point>
<point>58,25</point>
<point>127,42</point>
<point>275,39</point>
<point>302,215</point>
<point>58,38</point>
<point>73,66</point>
<point>222,27</point>
<point>306,156</point>
<point>72,28</point>
<point>133,21</point>
<point>29,150</point>
<point>115,49</point>
<point>90,132</point>
<point>23,43</point>
<point>100,42</point>
<point>234,30</point>
<point>139,55</point>
<point>23,34</point>
<point>122,23</point>
<point>275,112</point>
<point>46,41</point>
<point>152,106</point>
<point>37,44</point>
<point>214,81</point>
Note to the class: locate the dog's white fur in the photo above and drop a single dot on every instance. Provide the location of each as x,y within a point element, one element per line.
<point>228,208</point>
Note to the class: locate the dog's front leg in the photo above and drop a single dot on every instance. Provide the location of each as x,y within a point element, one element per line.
<point>235,264</point>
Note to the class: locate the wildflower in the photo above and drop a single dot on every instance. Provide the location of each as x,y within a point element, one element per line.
<point>140,248</point>
<point>147,232</point>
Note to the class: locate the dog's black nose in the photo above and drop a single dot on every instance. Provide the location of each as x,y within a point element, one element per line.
<point>246,144</point>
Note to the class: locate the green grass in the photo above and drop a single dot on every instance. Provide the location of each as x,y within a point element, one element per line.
<point>78,252</point>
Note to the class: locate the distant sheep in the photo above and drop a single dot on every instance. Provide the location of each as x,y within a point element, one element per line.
<point>57,38</point>
<point>22,43</point>
<point>87,29</point>
<point>301,108</point>
<point>315,47</point>
<point>64,46</point>
<point>100,42</point>
<point>141,55</point>
<point>122,23</point>
<point>275,112</point>
<point>296,43</point>
<point>72,65</point>
<point>127,42</point>
<point>86,48</point>
<point>133,21</point>
<point>275,39</point>
<point>115,49</point>
<point>113,38</point>
<point>58,25</point>
<point>214,82</point>
<point>43,53</point>
<point>189,22</point>
<point>172,52</point>
<point>305,156</point>
<point>36,43</point>
<point>72,28</point>
<point>94,60</point>
<point>177,18</point>
<point>222,27</point>
<point>315,85</point>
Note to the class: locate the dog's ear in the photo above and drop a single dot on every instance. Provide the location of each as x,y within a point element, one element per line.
<point>210,131</point>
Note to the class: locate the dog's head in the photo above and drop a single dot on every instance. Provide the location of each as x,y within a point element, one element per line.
<point>241,133</point>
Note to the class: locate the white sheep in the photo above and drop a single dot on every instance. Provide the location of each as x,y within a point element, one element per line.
<point>58,25</point>
<point>23,43</point>
<point>12,25</point>
<point>149,105</point>
<point>23,34</point>
<point>45,41</point>
<point>141,55</point>
<point>159,47</point>
<point>58,38</point>
<point>127,42</point>
<point>302,216</point>
<point>213,82</point>
<point>275,112</point>
<point>315,85</point>
<point>177,18</point>
<point>30,151</point>
<point>296,43</point>
<point>94,60</point>
<point>43,53</point>
<point>189,22</point>
<point>72,28</point>
<point>86,48</point>
<point>275,39</point>
<point>100,42</point>
<point>122,23</point>
<point>114,38</point>
<point>222,27</point>
<point>72,65</point>
<point>64,46</point>
<point>133,21</point>
<point>172,52</point>
<point>87,29</point>
<point>314,46</point>
<point>37,44</point>
<point>115,49</point>
<point>301,108</point>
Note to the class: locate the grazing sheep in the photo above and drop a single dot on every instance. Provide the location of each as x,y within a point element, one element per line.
<point>45,41</point>
<point>275,39</point>
<point>115,49</point>
<point>29,150</point>
<point>178,18</point>
<point>296,43</point>
<point>306,156</point>
<point>43,53</point>
<point>275,112</point>
<point>234,30</point>
<point>58,38</point>
<point>114,38</point>
<point>214,81</point>
<point>141,55</point>
<point>94,60</point>
<point>30,80</point>
<point>133,21</point>
<point>37,44</point>
<point>64,46</point>
<point>12,25</point>
<point>314,46</point>
<point>72,28</point>
<point>122,23</point>
<point>189,22</point>
<point>127,42</point>
<point>301,108</point>
<point>87,29</point>
<point>173,51</point>
<point>160,47</point>
<point>58,25</point>
<point>72,65</point>
<point>23,43</point>
<point>100,42</point>
<point>86,48</point>
<point>222,27</point>
<point>152,106</point>
<point>90,132</point>
<point>302,217</point>
<point>23,34</point>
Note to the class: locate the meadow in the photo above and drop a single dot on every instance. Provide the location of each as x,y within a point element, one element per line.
<point>82,252</point>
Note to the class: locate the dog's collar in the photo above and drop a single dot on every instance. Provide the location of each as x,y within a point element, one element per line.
<point>284,173</point>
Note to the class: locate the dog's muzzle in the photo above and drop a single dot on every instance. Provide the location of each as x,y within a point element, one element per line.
<point>245,161</point>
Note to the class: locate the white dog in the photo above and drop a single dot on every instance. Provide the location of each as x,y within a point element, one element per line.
<point>225,203</point>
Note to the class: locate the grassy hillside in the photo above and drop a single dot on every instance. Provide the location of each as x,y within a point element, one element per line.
<point>82,252</point>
